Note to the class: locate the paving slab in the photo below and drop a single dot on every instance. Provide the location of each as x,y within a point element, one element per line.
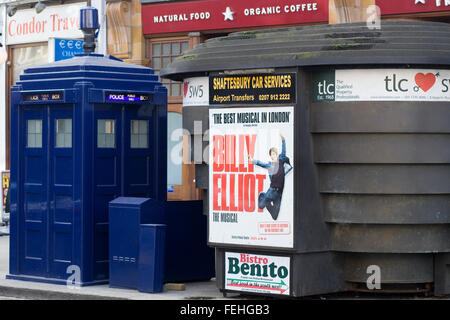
<point>37,290</point>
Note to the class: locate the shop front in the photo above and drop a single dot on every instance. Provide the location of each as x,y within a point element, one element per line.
<point>172,27</point>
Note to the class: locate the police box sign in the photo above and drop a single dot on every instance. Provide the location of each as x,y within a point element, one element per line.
<point>382,85</point>
<point>252,89</point>
<point>257,273</point>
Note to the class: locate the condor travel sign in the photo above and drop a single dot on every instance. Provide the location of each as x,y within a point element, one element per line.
<point>257,273</point>
<point>27,26</point>
<point>216,14</point>
<point>251,176</point>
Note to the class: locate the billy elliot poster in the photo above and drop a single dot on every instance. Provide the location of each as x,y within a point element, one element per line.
<point>251,176</point>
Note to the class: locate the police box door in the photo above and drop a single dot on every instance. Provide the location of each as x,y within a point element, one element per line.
<point>46,201</point>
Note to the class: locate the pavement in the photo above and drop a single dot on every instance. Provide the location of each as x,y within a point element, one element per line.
<point>202,290</point>
<point>43,291</point>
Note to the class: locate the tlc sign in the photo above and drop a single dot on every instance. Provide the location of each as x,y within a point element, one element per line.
<point>27,26</point>
<point>216,15</point>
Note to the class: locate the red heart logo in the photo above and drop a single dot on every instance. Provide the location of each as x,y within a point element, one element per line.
<point>425,81</point>
<point>186,87</point>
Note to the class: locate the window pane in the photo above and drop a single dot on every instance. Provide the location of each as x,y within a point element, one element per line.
<point>34,133</point>
<point>175,89</point>
<point>134,127</point>
<point>165,62</point>
<point>105,133</point>
<point>31,126</point>
<point>38,126</point>
<point>156,50</point>
<point>168,52</point>
<point>143,127</point>
<point>27,57</point>
<point>59,140</point>
<point>175,48</point>
<point>109,141</point>
<point>31,140</point>
<point>174,152</point>
<point>134,141</point>
<point>139,136</point>
<point>101,140</point>
<point>166,49</point>
<point>38,140</point>
<point>184,46</point>
<point>101,126</point>
<point>156,63</point>
<point>63,133</point>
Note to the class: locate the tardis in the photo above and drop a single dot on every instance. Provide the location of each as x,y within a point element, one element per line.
<point>84,132</point>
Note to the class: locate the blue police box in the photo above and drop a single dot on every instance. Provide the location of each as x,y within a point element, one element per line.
<point>84,132</point>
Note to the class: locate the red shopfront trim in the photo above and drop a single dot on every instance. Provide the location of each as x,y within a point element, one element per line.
<point>389,7</point>
<point>217,15</point>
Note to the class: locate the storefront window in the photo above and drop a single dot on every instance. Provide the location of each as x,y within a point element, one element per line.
<point>174,148</point>
<point>26,57</point>
<point>163,53</point>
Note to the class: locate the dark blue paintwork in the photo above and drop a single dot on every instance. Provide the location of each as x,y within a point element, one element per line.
<point>60,196</point>
<point>187,256</point>
<point>151,257</point>
<point>126,214</point>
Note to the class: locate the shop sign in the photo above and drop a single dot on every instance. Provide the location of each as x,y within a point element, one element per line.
<point>5,186</point>
<point>196,91</point>
<point>382,85</point>
<point>412,6</point>
<point>26,26</point>
<point>251,178</point>
<point>215,14</point>
<point>67,48</point>
<point>252,89</point>
<point>257,273</point>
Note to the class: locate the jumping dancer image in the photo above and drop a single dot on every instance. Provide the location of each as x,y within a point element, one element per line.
<point>271,199</point>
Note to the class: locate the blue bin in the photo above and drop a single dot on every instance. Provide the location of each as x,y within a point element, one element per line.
<point>151,257</point>
<point>125,216</point>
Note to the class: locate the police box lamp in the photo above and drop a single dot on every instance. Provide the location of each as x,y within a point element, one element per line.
<point>89,24</point>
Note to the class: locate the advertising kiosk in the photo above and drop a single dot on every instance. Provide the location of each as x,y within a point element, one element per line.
<point>328,167</point>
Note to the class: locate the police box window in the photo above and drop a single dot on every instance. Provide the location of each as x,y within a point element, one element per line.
<point>63,133</point>
<point>34,133</point>
<point>106,133</point>
<point>139,134</point>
